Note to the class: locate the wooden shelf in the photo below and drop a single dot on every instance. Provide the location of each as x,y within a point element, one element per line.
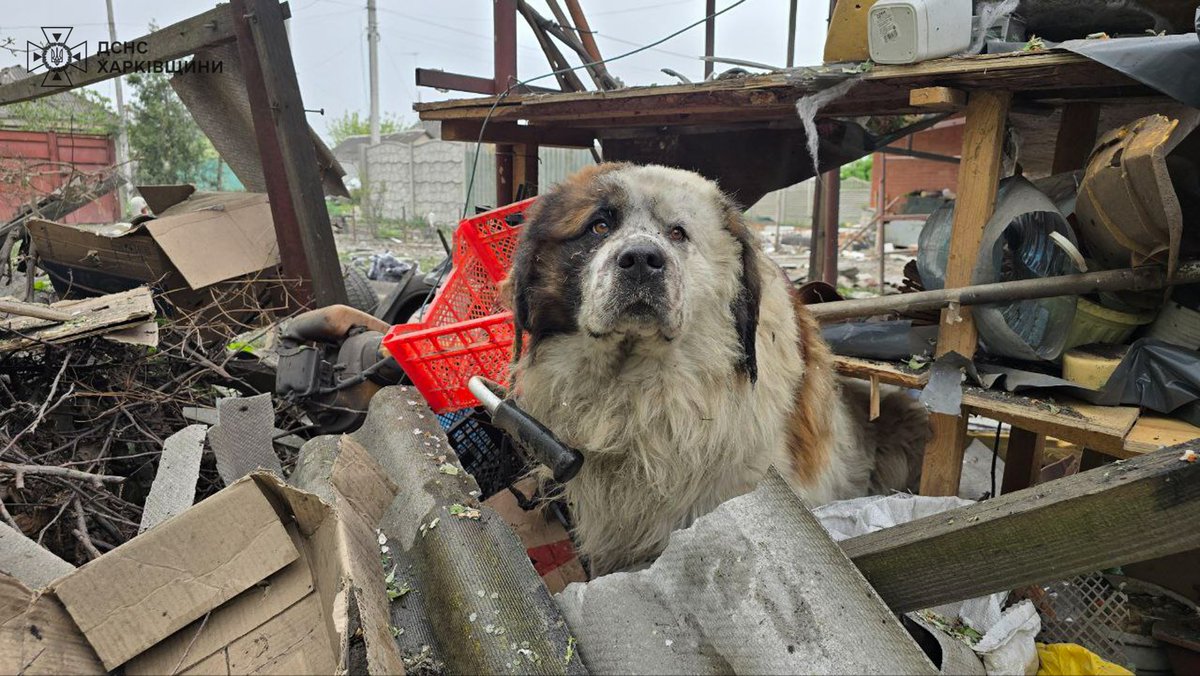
<point>1051,76</point>
<point>1116,431</point>
<point>1100,428</point>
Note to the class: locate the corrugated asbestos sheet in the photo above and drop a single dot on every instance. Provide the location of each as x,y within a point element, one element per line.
<point>475,605</point>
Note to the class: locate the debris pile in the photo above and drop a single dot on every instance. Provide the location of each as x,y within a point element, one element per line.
<point>83,424</point>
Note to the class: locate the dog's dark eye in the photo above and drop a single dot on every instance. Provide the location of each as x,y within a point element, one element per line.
<point>677,234</point>
<point>600,228</point>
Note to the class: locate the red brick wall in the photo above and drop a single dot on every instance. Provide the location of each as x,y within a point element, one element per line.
<point>909,174</point>
<point>33,163</point>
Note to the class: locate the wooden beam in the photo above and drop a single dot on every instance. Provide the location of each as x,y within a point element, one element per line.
<point>440,79</point>
<point>568,81</point>
<point>172,42</point>
<point>884,89</point>
<point>525,169</point>
<point>1076,136</point>
<point>978,177</point>
<point>306,247</point>
<point>1023,462</point>
<point>884,372</point>
<point>1118,514</point>
<point>504,61</point>
<point>937,98</point>
<point>508,132</point>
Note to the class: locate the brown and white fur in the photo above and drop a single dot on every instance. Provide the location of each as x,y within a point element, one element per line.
<point>684,370</point>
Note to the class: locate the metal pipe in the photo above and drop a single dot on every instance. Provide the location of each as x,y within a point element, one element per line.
<point>330,324</point>
<point>1144,278</point>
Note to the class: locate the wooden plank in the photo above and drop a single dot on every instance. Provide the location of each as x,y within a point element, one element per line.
<point>938,98</point>
<point>1023,461</point>
<point>525,168</point>
<point>306,247</point>
<point>885,89</point>
<point>1117,514</point>
<point>1102,428</point>
<point>1152,432</point>
<point>978,176</point>
<point>172,42</point>
<point>510,132</point>
<point>884,372</point>
<point>89,317</point>
<point>440,79</point>
<point>1076,136</point>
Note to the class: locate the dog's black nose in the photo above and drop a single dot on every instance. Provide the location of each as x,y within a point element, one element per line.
<point>641,261</point>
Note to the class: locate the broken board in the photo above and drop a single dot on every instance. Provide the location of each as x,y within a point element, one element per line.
<point>90,317</point>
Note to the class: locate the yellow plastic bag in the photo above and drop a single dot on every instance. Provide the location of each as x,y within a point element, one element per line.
<point>1070,659</point>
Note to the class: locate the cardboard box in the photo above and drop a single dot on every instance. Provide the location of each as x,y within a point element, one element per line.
<point>259,578</point>
<point>196,240</point>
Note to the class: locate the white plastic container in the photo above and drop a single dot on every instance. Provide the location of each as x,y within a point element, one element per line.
<point>909,31</point>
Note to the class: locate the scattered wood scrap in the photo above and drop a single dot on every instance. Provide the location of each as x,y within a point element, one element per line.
<point>88,317</point>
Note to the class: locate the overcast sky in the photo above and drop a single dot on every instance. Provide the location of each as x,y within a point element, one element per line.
<point>329,45</point>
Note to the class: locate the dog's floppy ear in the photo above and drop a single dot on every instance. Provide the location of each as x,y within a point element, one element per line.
<point>514,294</point>
<point>745,305</point>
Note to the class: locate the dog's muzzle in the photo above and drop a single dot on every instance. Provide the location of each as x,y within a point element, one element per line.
<point>642,263</point>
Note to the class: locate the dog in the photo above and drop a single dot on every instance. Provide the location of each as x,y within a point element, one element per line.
<point>654,336</point>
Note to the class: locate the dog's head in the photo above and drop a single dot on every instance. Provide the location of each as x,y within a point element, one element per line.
<point>619,251</point>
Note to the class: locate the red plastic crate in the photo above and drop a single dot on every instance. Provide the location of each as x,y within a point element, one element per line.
<point>465,331</point>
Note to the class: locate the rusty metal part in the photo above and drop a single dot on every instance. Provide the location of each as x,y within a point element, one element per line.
<point>330,325</point>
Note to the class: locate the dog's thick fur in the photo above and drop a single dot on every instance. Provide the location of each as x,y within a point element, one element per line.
<point>681,388</point>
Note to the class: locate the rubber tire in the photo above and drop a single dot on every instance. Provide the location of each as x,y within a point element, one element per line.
<point>359,292</point>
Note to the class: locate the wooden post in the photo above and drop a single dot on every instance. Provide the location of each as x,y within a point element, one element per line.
<point>816,234</point>
<point>978,176</point>
<point>881,223</point>
<point>525,168</point>
<point>504,54</point>
<point>1023,462</point>
<point>306,247</point>
<point>1076,136</point>
<point>831,202</point>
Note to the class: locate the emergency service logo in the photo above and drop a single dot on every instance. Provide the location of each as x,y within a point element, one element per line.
<point>56,55</point>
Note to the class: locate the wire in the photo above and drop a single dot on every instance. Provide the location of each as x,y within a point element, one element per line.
<point>508,90</point>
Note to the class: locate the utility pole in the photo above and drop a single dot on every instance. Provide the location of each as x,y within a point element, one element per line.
<point>124,168</point>
<point>373,51</point>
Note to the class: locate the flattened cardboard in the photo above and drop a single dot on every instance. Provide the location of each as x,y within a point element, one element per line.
<point>233,237</point>
<point>37,636</point>
<point>205,239</point>
<point>290,643</point>
<point>189,565</point>
<point>134,255</point>
<point>191,646</point>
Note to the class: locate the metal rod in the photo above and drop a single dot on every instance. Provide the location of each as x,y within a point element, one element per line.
<point>1144,278</point>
